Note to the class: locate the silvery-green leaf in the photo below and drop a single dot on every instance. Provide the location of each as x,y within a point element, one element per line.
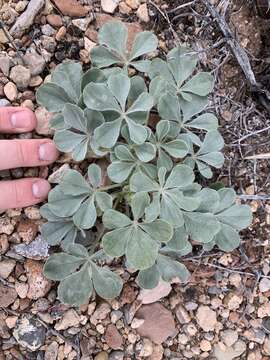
<point>187,203</point>
<point>63,205</point>
<point>137,132</point>
<point>227,238</point>
<point>80,151</point>
<point>169,107</point>
<point>209,200</point>
<point>46,213</point>
<point>104,200</point>
<point>195,223</point>
<point>181,63</point>
<point>93,75</point>
<point>145,152</point>
<point>144,42</point>
<point>107,134</point>
<point>204,169</point>
<point>67,140</point>
<point>107,284</point>
<point>141,65</point>
<point>179,240</point>
<point>237,216</point>
<point>74,117</point>
<point>164,160</point>
<point>55,232</point>
<point>139,203</point>
<point>149,278</point>
<point>170,211</point>
<point>200,84</point>
<point>119,171</point>
<point>123,153</point>
<point>73,183</point>
<point>209,246</point>
<point>137,86</point>
<point>160,68</point>
<point>114,242</point>
<point>148,169</point>
<point>176,148</point>
<point>162,129</point>
<point>213,141</point>
<point>85,217</point>
<point>102,57</point>
<point>156,88</point>
<point>52,97</point>
<point>77,250</point>
<point>227,198</point>
<point>215,159</point>
<point>99,97</point>
<point>76,289</point>
<point>57,122</point>
<point>158,230</point>
<point>153,210</point>
<point>119,85</point>
<point>114,219</point>
<point>68,76</point>
<point>162,176</point>
<point>94,175</point>
<point>60,265</point>
<point>141,182</point>
<point>193,107</point>
<point>180,176</point>
<point>205,121</point>
<point>186,96</point>
<point>114,34</point>
<point>170,269</point>
<point>142,250</point>
<point>143,103</point>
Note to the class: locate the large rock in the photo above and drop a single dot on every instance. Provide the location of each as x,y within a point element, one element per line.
<point>158,322</point>
<point>39,286</point>
<point>149,296</point>
<point>30,333</point>
<point>109,6</point>
<point>70,8</point>
<point>21,76</point>
<point>35,62</point>
<point>38,249</point>
<point>206,318</point>
<point>113,338</point>
<point>222,352</point>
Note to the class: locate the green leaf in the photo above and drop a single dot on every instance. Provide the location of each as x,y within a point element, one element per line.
<point>63,205</point>
<point>144,42</point>
<point>92,75</point>
<point>103,57</point>
<point>196,226</point>
<point>179,240</point>
<point>170,211</point>
<point>137,132</point>
<point>99,97</point>
<point>149,278</point>
<point>107,134</point>
<point>201,84</point>
<point>141,182</point>
<point>227,198</point>
<point>85,217</point>
<point>119,171</point>
<point>213,141</point>
<point>209,200</point>
<point>52,97</point>
<point>73,183</point>
<point>114,35</point>
<point>145,152</point>
<point>55,232</point>
<point>143,103</point>
<point>176,148</point>
<point>74,117</point>
<point>107,284</point>
<point>67,140</point>
<point>159,230</point>
<point>114,219</point>
<point>227,238</point>
<point>139,203</point>
<point>180,176</point>
<point>205,121</point>
<point>171,269</point>
<point>71,291</point>
<point>104,201</point>
<point>215,159</point>
<point>237,216</point>
<point>119,85</point>
<point>59,266</point>
<point>94,175</point>
<point>114,242</point>
<point>169,107</point>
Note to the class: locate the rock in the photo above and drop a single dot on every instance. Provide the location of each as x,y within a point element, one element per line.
<point>7,296</point>
<point>57,175</point>
<point>128,295</point>
<point>6,268</point>
<point>35,81</point>
<point>113,338</point>
<point>27,230</point>
<point>206,318</point>
<point>43,121</point>
<point>32,213</point>
<point>4,102</point>
<point>264,310</point>
<point>147,348</point>
<point>51,351</point>
<point>205,345</point>
<point>71,8</point>
<point>158,322</point>
<point>124,9</point>
<point>182,315</point>
<point>116,355</point>
<point>136,323</point>
<point>133,4</point>
<point>266,346</point>
<point>36,250</point>
<point>89,44</point>
<point>21,289</point>
<point>233,301</point>
<point>82,24</point>
<point>102,356</point>
<point>4,330</point>
<point>157,353</point>
<point>54,20</point>
<point>10,90</point>
<point>11,321</point>
<point>61,33</point>
<point>109,6</point>
<point>5,64</point>
<point>229,353</point>
<point>101,312</point>
<point>29,332</point>
<point>35,62</point>
<point>26,19</point>
<point>264,285</point>
<point>70,319</point>
<point>229,337</point>
<point>148,296</point>
<point>39,286</point>
<point>142,13</point>
<point>47,30</point>
<point>21,76</point>
<point>3,37</point>
<point>5,226</point>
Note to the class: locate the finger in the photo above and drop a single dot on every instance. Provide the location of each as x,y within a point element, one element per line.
<point>16,120</point>
<point>23,192</point>
<point>25,153</point>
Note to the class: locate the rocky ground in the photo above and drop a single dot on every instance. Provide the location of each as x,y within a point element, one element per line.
<point>223,312</point>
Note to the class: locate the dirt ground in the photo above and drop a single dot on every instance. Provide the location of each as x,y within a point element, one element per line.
<point>223,312</point>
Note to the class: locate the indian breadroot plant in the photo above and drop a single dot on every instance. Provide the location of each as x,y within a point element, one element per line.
<point>152,208</point>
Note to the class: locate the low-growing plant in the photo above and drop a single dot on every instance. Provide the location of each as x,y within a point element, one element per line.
<point>158,141</point>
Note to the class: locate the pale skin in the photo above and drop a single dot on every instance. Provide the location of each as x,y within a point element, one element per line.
<point>23,153</point>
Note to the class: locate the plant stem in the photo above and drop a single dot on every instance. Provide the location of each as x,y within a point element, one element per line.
<point>111,187</point>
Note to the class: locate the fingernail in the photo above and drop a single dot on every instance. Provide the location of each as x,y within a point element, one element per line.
<point>47,152</point>
<point>20,119</point>
<point>40,189</point>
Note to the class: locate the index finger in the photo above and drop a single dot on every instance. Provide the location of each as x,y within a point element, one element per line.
<point>16,120</point>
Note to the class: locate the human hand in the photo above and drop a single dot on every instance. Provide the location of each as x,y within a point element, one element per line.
<point>23,153</point>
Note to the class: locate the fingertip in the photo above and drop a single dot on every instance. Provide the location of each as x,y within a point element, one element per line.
<point>40,189</point>
<point>17,119</point>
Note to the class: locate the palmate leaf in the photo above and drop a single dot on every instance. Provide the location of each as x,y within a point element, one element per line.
<point>113,47</point>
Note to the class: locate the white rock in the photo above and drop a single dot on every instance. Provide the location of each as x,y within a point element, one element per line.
<point>21,76</point>
<point>229,337</point>
<point>70,318</point>
<point>10,90</point>
<point>43,121</point>
<point>88,44</point>
<point>229,353</point>
<point>35,62</point>
<point>149,296</point>
<point>142,13</point>
<point>264,285</point>
<point>206,318</point>
<point>109,6</point>
<point>6,268</point>
<point>83,23</point>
